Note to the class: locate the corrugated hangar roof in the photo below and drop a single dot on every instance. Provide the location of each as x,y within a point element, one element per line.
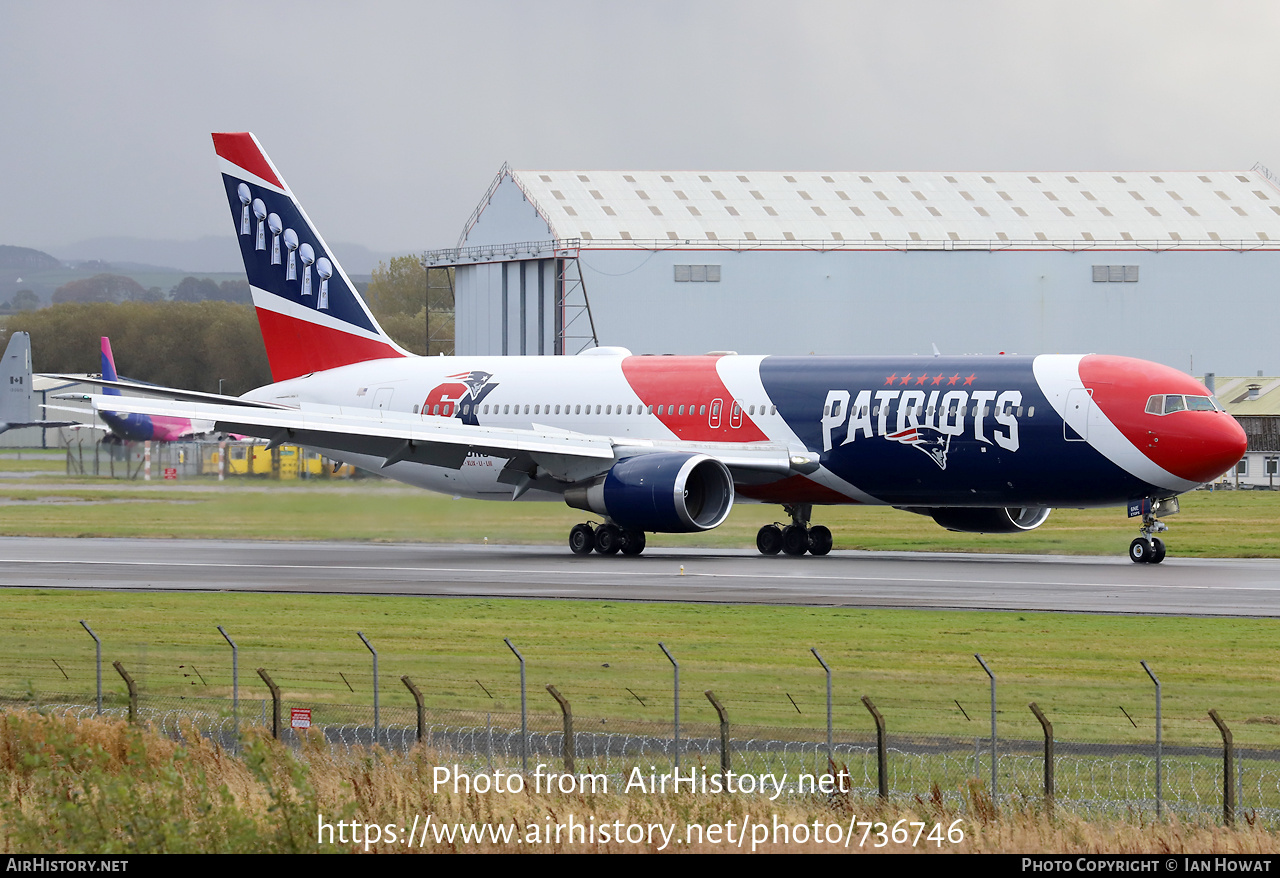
<point>1232,209</point>
<point>1234,394</point>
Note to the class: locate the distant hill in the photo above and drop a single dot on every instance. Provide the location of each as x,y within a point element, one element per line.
<point>27,259</point>
<point>211,254</point>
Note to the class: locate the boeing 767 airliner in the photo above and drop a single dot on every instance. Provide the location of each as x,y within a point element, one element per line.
<point>667,444</point>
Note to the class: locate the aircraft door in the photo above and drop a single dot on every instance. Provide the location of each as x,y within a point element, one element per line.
<point>713,418</point>
<point>382,398</point>
<point>735,415</point>
<point>1075,422</point>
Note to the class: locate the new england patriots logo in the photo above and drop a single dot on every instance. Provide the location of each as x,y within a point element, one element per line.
<point>932,442</point>
<point>460,398</point>
<point>475,382</point>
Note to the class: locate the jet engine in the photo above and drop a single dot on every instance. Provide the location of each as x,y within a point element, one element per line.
<point>665,492</point>
<point>1001,520</point>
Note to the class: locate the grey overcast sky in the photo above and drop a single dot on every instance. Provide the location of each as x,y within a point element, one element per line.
<point>389,119</point>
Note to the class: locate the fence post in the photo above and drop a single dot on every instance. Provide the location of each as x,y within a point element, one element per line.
<point>275,702</point>
<point>724,733</point>
<point>675,664</point>
<point>1048,757</point>
<point>830,756</point>
<point>133,691</point>
<point>417,697</point>
<point>882,757</point>
<point>568,727</point>
<point>993,725</point>
<point>1228,770</point>
<point>377,726</point>
<point>524,711</point>
<point>235,682</point>
<point>1159,748</point>
<point>98,653</point>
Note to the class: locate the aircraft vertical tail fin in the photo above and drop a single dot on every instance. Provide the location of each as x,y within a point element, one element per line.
<point>109,368</point>
<point>15,380</point>
<point>311,316</point>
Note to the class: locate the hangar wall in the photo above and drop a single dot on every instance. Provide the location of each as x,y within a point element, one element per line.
<point>1210,306</point>
<point>505,308</point>
<point>1177,267</point>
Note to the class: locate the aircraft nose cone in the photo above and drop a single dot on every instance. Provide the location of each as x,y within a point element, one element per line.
<point>1206,450</point>
<point>1195,446</point>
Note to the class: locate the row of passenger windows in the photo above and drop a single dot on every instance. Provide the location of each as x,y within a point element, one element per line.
<point>920,411</point>
<point>446,410</point>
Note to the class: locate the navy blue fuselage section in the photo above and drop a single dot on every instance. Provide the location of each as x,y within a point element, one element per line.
<point>942,431</point>
<point>132,427</point>
<point>263,274</point>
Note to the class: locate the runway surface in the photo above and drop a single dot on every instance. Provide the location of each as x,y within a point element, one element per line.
<point>1179,586</point>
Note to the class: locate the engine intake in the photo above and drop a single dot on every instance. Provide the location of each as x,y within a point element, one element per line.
<point>1001,520</point>
<point>665,492</point>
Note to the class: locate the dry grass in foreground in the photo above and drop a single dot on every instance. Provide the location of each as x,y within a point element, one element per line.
<point>105,787</point>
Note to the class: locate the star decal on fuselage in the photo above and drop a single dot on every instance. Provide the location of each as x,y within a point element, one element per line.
<point>949,380</point>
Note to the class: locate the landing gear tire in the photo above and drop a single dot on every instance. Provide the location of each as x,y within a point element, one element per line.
<point>632,542</point>
<point>608,539</point>
<point>582,540</point>
<point>1141,551</point>
<point>1149,548</point>
<point>769,539</point>
<point>819,540</point>
<point>795,540</point>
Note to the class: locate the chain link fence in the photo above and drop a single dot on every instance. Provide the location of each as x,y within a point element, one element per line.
<point>1093,778</point>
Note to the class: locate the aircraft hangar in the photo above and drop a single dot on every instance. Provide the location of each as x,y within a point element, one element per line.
<point>1180,267</point>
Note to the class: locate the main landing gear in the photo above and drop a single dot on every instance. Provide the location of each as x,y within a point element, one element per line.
<point>795,538</point>
<point>1148,548</point>
<point>607,539</point>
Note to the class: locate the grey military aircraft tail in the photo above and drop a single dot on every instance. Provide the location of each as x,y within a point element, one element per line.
<point>15,387</point>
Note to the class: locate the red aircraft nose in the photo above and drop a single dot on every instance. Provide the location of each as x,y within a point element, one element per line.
<point>1205,450</point>
<point>1197,446</point>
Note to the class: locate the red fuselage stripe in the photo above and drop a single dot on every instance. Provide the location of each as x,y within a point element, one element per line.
<point>691,383</point>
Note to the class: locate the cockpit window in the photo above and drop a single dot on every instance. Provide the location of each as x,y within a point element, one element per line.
<point>1168,403</point>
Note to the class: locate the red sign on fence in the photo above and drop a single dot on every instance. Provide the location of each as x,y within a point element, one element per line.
<point>171,472</point>
<point>300,718</point>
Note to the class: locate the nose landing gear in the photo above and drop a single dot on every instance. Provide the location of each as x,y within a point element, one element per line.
<point>1148,548</point>
<point>795,538</point>
<point>1145,550</point>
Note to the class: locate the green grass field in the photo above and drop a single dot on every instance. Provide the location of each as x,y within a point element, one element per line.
<point>1212,524</point>
<point>916,665</point>
<point>604,657</point>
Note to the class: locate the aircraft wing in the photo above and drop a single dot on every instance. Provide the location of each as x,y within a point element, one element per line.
<point>18,425</point>
<point>543,456</point>
<point>158,391</point>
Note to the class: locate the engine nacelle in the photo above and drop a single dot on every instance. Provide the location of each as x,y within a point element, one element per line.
<point>664,492</point>
<point>1001,520</point>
